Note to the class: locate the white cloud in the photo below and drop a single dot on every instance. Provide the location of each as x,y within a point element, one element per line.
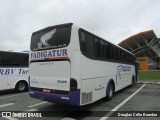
<point>111,19</point>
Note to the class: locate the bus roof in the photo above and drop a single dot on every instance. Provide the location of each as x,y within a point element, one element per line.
<point>23,52</point>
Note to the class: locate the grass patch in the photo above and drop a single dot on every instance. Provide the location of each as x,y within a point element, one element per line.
<point>149,75</point>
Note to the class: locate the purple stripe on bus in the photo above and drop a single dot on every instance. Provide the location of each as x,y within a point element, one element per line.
<point>74,97</point>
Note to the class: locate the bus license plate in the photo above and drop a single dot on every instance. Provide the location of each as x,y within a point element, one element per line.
<point>46,90</point>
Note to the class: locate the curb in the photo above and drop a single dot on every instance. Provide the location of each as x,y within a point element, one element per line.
<point>148,82</point>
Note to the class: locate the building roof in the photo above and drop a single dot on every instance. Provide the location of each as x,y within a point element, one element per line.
<point>143,44</point>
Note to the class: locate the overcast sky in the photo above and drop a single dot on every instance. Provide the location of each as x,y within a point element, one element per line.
<point>113,20</point>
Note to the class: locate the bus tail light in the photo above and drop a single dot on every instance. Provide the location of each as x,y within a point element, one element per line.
<point>73,84</point>
<point>29,81</point>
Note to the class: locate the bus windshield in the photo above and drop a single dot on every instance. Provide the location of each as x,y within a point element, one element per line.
<point>51,38</point>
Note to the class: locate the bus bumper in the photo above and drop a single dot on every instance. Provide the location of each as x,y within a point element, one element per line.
<point>73,98</point>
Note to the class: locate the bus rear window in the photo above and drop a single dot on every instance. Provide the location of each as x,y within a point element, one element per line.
<point>51,38</point>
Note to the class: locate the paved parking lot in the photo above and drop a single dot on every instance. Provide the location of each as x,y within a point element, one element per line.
<point>139,98</point>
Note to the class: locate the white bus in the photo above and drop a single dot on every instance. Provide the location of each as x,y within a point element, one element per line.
<point>71,65</point>
<point>14,71</point>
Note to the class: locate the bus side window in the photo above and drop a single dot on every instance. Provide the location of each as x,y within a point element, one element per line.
<point>102,49</point>
<point>90,49</point>
<point>83,41</point>
<point>97,45</point>
<point>120,56</point>
<point>115,54</point>
<point>108,51</point>
<point>105,50</point>
<point>111,52</point>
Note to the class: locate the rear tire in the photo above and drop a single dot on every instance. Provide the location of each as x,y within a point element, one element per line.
<point>21,86</point>
<point>110,92</point>
<point>133,82</point>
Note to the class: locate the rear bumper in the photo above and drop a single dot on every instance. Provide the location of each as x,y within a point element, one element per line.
<point>73,98</point>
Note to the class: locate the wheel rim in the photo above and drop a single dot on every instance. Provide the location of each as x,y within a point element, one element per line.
<point>21,86</point>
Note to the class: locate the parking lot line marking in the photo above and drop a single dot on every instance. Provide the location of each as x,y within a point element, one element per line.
<point>37,104</point>
<point>5,105</point>
<point>12,96</point>
<point>67,118</point>
<point>32,110</point>
<point>121,104</point>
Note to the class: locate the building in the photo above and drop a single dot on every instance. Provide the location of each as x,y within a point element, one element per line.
<point>146,47</point>
<point>146,63</point>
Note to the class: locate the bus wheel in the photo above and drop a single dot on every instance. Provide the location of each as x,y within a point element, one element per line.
<point>110,92</point>
<point>21,86</point>
<point>132,82</point>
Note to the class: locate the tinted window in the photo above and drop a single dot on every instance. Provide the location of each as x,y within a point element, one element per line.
<point>14,59</point>
<point>87,44</point>
<point>105,50</point>
<point>98,49</point>
<point>97,45</point>
<point>108,51</point>
<point>90,49</point>
<point>111,52</point>
<point>53,37</point>
<point>83,41</point>
<point>102,49</point>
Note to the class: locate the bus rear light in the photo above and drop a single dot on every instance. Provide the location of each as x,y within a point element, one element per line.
<point>47,90</point>
<point>29,81</point>
<point>73,84</point>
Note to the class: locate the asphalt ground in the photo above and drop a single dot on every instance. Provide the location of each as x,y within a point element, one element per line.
<point>131,103</point>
